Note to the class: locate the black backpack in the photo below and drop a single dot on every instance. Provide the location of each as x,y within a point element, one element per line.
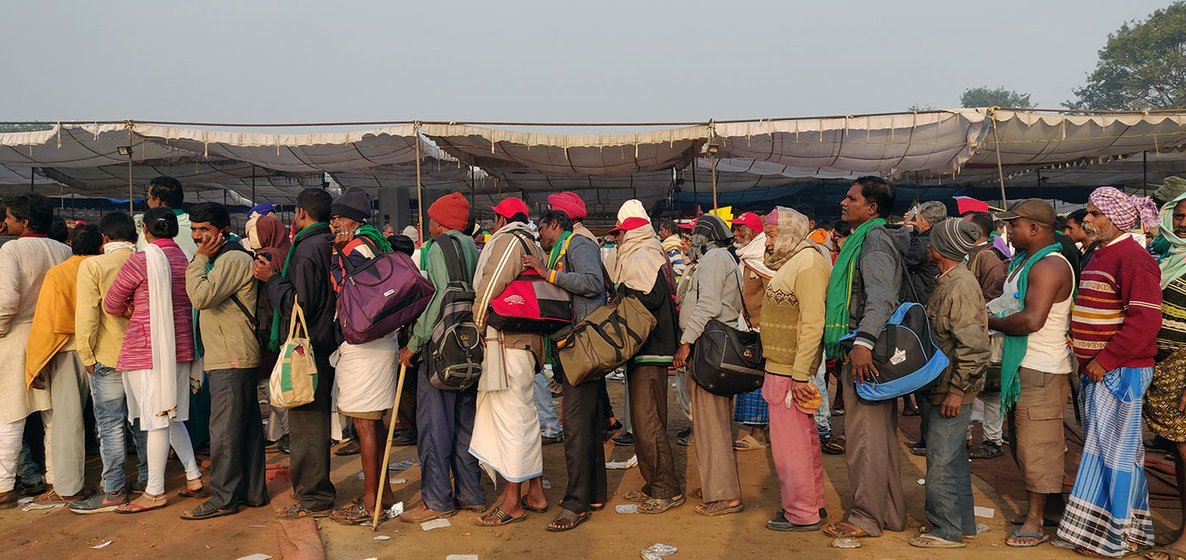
<point>455,348</point>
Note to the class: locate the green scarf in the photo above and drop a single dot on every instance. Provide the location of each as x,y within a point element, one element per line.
<point>1013,350</point>
<point>558,249</point>
<point>840,287</point>
<point>274,336</point>
<point>369,232</point>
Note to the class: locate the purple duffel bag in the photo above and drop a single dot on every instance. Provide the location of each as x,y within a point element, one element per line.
<point>385,294</point>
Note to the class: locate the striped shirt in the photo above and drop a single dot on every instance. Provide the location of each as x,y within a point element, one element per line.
<point>1117,311</point>
<point>131,288</point>
<point>1172,335</point>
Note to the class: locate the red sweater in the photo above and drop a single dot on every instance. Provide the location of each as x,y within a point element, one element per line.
<point>1117,311</point>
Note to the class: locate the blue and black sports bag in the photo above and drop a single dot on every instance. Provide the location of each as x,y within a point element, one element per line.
<point>905,355</point>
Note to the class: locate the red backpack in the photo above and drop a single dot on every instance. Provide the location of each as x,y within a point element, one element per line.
<point>530,303</point>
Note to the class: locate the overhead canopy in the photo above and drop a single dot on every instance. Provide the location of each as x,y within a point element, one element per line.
<point>932,148</point>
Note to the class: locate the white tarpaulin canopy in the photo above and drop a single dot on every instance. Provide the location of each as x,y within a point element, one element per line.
<point>934,147</point>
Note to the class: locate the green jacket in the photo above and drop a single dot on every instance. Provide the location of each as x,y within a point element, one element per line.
<point>438,274</point>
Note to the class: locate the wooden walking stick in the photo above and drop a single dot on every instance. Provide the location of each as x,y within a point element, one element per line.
<point>399,392</point>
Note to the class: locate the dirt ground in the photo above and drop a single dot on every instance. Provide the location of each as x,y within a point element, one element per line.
<point>61,534</point>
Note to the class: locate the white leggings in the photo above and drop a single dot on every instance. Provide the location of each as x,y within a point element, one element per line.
<point>10,451</point>
<point>158,455</point>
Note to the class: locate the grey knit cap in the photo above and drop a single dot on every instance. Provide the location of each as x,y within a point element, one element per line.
<point>953,238</point>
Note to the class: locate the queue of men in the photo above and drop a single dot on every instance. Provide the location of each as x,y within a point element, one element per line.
<point>140,314</point>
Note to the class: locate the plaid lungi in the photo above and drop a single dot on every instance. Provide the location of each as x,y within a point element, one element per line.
<point>1108,511</point>
<point>751,408</point>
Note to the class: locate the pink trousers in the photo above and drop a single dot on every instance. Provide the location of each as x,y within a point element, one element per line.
<point>795,445</point>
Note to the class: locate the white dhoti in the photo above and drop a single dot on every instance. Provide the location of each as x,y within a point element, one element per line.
<point>141,387</point>
<point>506,436</point>
<point>365,374</point>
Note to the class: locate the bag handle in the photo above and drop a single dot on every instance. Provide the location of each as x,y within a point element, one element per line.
<point>749,323</point>
<point>298,315</point>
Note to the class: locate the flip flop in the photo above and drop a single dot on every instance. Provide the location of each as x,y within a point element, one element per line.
<point>636,496</point>
<point>1169,553</point>
<point>1046,521</point>
<point>573,524</point>
<point>498,518</point>
<point>532,509</point>
<point>748,443</point>
<point>927,540</point>
<point>1012,541</point>
<point>850,531</point>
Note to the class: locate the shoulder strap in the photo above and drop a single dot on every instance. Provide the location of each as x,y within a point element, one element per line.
<point>243,308</point>
<point>749,323</point>
<point>451,248</point>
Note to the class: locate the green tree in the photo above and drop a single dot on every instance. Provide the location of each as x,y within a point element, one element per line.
<point>999,97</point>
<point>1142,66</point>
<point>24,127</point>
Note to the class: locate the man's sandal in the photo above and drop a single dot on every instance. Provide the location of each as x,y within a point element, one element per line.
<point>567,521</point>
<point>1164,553</point>
<point>719,507</point>
<point>636,496</point>
<point>1025,540</point>
<point>846,530</point>
<point>498,518</point>
<point>208,511</point>
<point>660,505</point>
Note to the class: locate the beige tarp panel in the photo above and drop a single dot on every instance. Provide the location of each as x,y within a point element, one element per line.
<point>80,146</point>
<point>934,141</point>
<point>1035,139</point>
<point>597,155</point>
<point>295,153</point>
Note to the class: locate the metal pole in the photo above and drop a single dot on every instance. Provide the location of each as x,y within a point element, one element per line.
<point>695,190</point>
<point>131,195</point>
<point>419,187</point>
<point>32,175</point>
<point>1145,173</point>
<point>712,160</point>
<point>1000,168</point>
<point>253,201</point>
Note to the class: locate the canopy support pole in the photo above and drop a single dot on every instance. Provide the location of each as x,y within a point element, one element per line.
<point>1000,168</point>
<point>711,148</point>
<point>695,189</point>
<point>1145,173</point>
<point>419,189</point>
<point>253,201</point>
<point>32,178</point>
<point>131,194</point>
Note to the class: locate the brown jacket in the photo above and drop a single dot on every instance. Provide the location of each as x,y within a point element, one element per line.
<point>753,288</point>
<point>500,263</point>
<point>989,270</point>
<point>959,324</point>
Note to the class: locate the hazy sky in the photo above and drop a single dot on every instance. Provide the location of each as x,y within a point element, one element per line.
<point>248,61</point>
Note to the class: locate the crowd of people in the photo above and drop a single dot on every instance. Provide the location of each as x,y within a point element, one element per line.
<point>167,322</point>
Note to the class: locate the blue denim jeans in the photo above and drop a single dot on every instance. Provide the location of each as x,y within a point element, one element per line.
<point>111,422</point>
<point>949,476</point>
<point>549,423</point>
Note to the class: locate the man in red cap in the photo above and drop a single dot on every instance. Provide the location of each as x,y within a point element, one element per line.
<point>506,438</point>
<point>574,207</point>
<point>749,236</point>
<point>444,419</point>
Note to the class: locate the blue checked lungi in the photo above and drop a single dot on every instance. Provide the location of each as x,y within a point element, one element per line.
<point>751,408</point>
<point>1108,511</point>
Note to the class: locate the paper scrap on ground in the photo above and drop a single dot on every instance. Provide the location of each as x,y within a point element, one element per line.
<point>922,482</point>
<point>623,465</point>
<point>395,510</point>
<point>845,542</point>
<point>985,512</point>
<point>435,524</point>
<point>547,484</point>
<point>256,556</point>
<point>102,546</point>
<point>402,465</point>
<point>462,557</point>
<point>661,550</point>
<point>626,508</point>
<point>399,481</point>
<point>383,538</point>
<point>981,529</point>
<point>257,526</point>
<point>24,500</point>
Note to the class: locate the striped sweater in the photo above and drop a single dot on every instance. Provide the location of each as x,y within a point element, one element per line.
<point>1117,311</point>
<point>130,289</point>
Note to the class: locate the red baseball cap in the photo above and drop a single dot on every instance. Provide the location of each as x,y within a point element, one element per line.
<point>630,224</point>
<point>749,219</point>
<point>511,206</point>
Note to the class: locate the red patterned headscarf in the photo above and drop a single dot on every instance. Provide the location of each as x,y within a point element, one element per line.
<point>1125,211</point>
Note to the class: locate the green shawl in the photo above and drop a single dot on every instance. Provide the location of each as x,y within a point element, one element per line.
<point>274,336</point>
<point>840,287</point>
<point>1014,347</point>
<point>370,233</point>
